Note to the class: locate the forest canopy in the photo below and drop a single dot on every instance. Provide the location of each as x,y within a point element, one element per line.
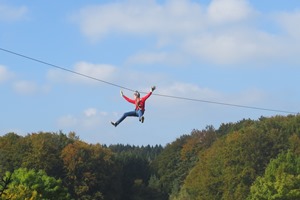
<point>248,159</point>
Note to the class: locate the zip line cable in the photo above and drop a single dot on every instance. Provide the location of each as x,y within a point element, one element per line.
<point>226,104</point>
<point>126,88</point>
<point>65,69</point>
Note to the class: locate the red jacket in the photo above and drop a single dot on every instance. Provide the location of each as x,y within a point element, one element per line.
<point>139,102</point>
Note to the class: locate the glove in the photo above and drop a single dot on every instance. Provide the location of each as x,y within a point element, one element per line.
<point>121,93</point>
<point>153,88</point>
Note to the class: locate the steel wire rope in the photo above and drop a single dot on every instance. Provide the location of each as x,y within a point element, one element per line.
<point>64,69</point>
<point>126,88</point>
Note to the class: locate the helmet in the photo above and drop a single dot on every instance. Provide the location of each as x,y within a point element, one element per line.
<point>136,93</point>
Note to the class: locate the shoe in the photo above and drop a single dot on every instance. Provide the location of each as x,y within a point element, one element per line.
<point>142,119</point>
<point>114,124</point>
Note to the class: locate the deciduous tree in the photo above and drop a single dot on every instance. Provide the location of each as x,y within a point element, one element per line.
<point>280,181</point>
<point>34,185</point>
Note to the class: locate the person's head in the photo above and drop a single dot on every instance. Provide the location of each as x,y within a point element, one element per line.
<point>136,94</point>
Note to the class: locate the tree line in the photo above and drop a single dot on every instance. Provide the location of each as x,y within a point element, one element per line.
<point>248,159</point>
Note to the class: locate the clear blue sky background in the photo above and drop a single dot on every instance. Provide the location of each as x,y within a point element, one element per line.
<point>231,51</point>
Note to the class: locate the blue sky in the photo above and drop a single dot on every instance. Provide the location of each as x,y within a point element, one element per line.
<point>231,51</point>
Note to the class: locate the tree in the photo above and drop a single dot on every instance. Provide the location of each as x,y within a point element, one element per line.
<point>280,181</point>
<point>205,180</point>
<point>196,142</point>
<point>246,154</point>
<point>4,182</point>
<point>43,152</point>
<point>169,166</point>
<point>134,162</point>
<point>34,185</point>
<point>91,171</point>
<point>12,148</point>
<point>133,168</point>
<point>295,143</point>
<point>230,166</point>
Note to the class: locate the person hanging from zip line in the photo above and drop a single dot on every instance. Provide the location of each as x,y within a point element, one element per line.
<point>139,106</point>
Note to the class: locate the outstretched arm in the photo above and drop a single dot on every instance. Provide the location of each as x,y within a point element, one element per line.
<point>149,94</point>
<point>126,98</point>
